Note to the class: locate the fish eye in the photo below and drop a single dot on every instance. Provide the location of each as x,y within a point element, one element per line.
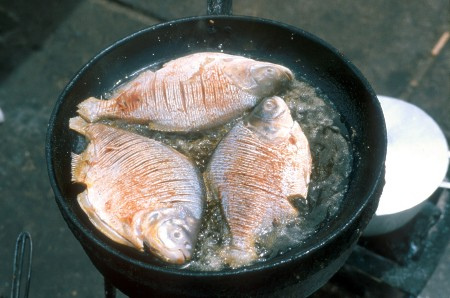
<point>271,108</point>
<point>270,104</point>
<point>174,232</point>
<point>177,234</point>
<point>263,72</point>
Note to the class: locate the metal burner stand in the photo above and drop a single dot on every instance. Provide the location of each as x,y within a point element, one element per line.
<point>398,264</point>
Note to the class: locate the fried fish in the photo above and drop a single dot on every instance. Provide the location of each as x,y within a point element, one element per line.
<point>139,191</point>
<point>256,171</point>
<point>191,93</point>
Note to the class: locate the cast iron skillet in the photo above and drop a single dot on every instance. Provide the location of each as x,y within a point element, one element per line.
<point>307,267</point>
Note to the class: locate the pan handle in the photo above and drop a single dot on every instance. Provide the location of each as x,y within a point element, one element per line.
<point>219,7</point>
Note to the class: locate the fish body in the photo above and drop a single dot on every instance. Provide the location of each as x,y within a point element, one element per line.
<point>191,93</point>
<point>256,171</point>
<point>139,191</point>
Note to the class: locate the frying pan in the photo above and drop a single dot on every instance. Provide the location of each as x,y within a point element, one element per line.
<point>303,269</point>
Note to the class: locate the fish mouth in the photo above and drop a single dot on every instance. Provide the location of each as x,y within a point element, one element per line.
<point>271,118</point>
<point>172,246</point>
<point>288,73</point>
<point>185,257</point>
<point>174,256</point>
<point>179,256</point>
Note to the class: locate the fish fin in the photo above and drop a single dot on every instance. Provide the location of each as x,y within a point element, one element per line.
<point>131,84</point>
<point>300,203</point>
<point>236,257</point>
<point>77,166</point>
<point>146,73</point>
<point>162,127</point>
<point>297,183</point>
<point>298,187</point>
<point>300,174</point>
<point>88,109</point>
<point>78,124</point>
<point>185,66</point>
<point>106,229</point>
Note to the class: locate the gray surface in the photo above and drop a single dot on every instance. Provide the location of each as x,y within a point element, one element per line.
<point>43,44</point>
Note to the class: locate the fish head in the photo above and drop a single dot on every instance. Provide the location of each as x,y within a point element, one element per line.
<point>258,78</point>
<point>271,118</point>
<point>171,234</point>
<point>269,78</point>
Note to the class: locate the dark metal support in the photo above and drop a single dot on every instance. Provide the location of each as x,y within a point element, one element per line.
<point>110,290</point>
<point>219,7</point>
<point>24,247</point>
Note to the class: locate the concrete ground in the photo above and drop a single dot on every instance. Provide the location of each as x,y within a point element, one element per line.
<point>44,43</point>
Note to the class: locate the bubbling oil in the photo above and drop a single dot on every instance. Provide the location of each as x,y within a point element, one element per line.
<point>331,153</point>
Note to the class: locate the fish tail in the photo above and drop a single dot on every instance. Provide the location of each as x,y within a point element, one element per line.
<point>78,124</point>
<point>89,109</point>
